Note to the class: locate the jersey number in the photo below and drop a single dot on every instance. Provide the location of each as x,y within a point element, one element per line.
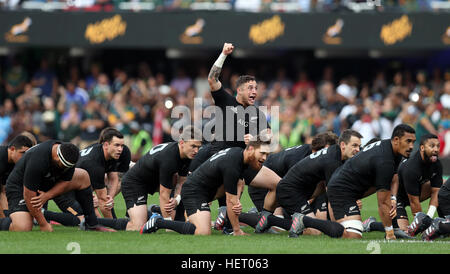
<point>157,148</point>
<point>323,151</point>
<point>371,145</point>
<point>85,151</point>
<point>219,154</point>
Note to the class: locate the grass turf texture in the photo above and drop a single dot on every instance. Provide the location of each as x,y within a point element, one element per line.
<point>162,242</point>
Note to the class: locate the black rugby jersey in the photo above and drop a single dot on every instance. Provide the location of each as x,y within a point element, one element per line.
<point>5,167</point>
<point>413,172</point>
<point>247,120</point>
<point>92,159</point>
<point>36,171</point>
<point>157,167</point>
<point>223,168</point>
<point>310,171</point>
<point>284,160</point>
<point>374,166</point>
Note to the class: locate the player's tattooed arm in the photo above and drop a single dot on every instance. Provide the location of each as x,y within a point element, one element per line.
<point>213,78</point>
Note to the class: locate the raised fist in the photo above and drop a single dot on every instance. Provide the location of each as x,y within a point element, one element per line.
<point>227,48</point>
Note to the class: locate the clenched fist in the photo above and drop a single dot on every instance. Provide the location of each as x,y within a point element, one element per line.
<point>227,48</point>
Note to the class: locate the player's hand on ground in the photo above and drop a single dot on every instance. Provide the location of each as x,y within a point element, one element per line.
<point>240,233</point>
<point>390,237</point>
<point>227,48</point>
<point>39,201</point>
<point>46,227</point>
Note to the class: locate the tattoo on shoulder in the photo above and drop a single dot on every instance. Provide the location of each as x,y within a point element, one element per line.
<point>214,72</point>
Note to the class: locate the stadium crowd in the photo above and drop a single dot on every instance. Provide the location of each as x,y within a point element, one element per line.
<point>139,101</point>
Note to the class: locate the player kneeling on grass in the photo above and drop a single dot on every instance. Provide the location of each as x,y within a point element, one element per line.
<point>437,227</point>
<point>47,169</point>
<point>218,176</point>
<point>419,178</point>
<point>368,172</point>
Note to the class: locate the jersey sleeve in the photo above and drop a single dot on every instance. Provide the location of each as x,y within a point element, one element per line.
<point>32,176</point>
<point>222,98</point>
<point>68,174</point>
<point>97,176</point>
<point>384,172</point>
<point>166,172</point>
<point>231,177</point>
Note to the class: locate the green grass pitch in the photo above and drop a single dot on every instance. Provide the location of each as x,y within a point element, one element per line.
<point>67,240</point>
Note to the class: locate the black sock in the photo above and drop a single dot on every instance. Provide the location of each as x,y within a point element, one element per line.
<point>5,223</point>
<point>84,197</point>
<point>280,222</point>
<point>117,224</point>
<point>394,223</point>
<point>179,215</point>
<point>65,219</point>
<point>250,219</point>
<point>330,228</point>
<point>377,226</point>
<point>180,227</point>
<point>113,213</point>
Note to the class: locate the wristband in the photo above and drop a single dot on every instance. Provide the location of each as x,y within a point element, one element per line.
<point>219,62</point>
<point>393,198</point>
<point>178,199</point>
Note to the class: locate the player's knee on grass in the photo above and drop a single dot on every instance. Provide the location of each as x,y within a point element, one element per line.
<point>21,221</point>
<point>138,217</point>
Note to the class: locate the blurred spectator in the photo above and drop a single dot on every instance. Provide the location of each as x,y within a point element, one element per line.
<point>70,125</point>
<point>71,95</point>
<point>445,97</point>
<point>101,91</point>
<point>92,78</point>
<point>201,84</point>
<point>44,80</point>
<point>47,123</point>
<point>181,82</point>
<point>427,122</point>
<point>5,125</point>
<point>141,141</point>
<point>15,79</point>
<point>92,123</point>
<point>302,85</point>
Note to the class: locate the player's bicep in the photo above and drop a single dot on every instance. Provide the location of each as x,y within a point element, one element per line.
<point>32,177</point>
<point>384,174</point>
